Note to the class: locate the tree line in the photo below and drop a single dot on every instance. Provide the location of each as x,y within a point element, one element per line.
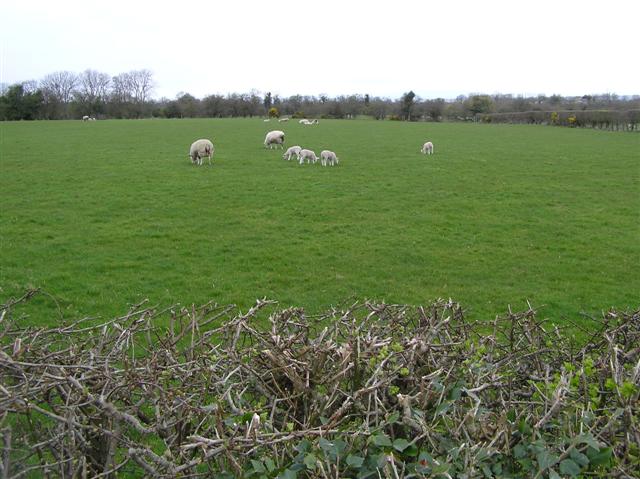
<point>67,95</point>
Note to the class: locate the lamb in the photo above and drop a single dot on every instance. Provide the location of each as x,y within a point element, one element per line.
<point>275,137</point>
<point>199,149</point>
<point>292,151</point>
<point>427,148</point>
<point>308,155</point>
<point>328,157</point>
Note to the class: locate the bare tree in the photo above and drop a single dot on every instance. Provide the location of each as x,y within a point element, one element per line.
<point>60,85</point>
<point>93,86</point>
<point>122,88</point>
<point>141,85</point>
<point>58,89</point>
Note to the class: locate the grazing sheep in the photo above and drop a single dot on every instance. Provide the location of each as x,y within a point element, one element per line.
<point>427,148</point>
<point>308,155</point>
<point>85,118</point>
<point>275,137</point>
<point>266,120</point>
<point>281,120</point>
<point>304,121</point>
<point>291,152</point>
<point>199,149</point>
<point>328,157</point>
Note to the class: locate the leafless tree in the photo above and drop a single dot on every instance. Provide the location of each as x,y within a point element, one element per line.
<point>93,86</point>
<point>60,85</point>
<point>122,88</point>
<point>141,85</point>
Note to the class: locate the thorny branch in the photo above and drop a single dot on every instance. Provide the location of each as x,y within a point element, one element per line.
<point>218,386</point>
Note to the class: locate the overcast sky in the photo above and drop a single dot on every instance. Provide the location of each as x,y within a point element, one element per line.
<point>436,49</point>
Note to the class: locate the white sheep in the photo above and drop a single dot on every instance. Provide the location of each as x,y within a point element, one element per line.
<point>275,137</point>
<point>85,118</point>
<point>282,120</point>
<point>427,148</point>
<point>291,152</point>
<point>304,121</point>
<point>199,149</point>
<point>308,155</point>
<point>328,158</point>
<point>266,120</point>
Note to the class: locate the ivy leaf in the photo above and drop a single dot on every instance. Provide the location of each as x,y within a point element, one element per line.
<point>355,461</point>
<point>578,457</point>
<point>393,417</point>
<point>587,439</point>
<point>546,460</point>
<point>288,474</point>
<point>519,451</point>
<point>271,466</point>
<point>569,467</point>
<point>603,456</point>
<point>310,461</point>
<point>381,440</point>
<point>400,444</point>
<point>258,466</point>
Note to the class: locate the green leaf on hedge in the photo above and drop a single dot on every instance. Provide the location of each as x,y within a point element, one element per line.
<point>519,451</point>
<point>568,466</point>
<point>258,466</point>
<point>381,440</point>
<point>587,439</point>
<point>400,444</point>
<point>355,461</point>
<point>553,474</point>
<point>271,466</point>
<point>603,456</point>
<point>546,460</point>
<point>288,474</point>
<point>310,461</point>
<point>578,457</point>
<point>393,417</point>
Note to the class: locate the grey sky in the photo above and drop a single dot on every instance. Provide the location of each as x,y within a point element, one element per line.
<point>436,49</point>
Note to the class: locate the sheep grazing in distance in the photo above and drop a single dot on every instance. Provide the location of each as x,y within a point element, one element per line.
<point>199,149</point>
<point>85,118</point>
<point>291,152</point>
<point>308,155</point>
<point>304,121</point>
<point>266,120</point>
<point>275,137</point>
<point>427,148</point>
<point>282,120</point>
<point>328,158</point>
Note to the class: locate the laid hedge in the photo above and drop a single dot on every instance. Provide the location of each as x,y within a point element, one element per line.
<point>365,390</point>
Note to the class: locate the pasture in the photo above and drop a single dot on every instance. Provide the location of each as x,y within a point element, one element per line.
<point>103,214</point>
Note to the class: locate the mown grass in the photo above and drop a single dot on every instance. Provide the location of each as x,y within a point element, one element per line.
<point>104,214</point>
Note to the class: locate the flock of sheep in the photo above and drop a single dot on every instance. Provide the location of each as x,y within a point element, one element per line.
<point>203,148</point>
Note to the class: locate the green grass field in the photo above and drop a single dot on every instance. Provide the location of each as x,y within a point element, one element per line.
<point>103,214</point>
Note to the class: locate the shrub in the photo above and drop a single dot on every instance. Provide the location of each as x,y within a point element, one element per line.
<point>273,112</point>
<point>369,390</point>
